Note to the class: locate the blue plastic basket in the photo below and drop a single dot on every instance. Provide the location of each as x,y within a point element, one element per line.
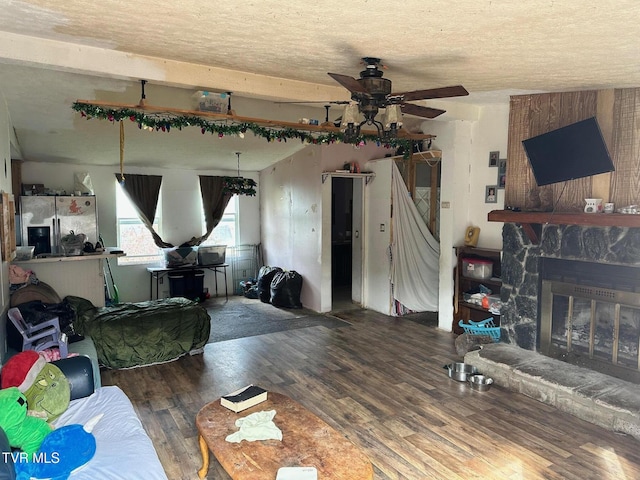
<point>485,327</point>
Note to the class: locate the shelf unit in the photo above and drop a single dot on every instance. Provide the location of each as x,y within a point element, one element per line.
<point>367,176</point>
<point>468,311</point>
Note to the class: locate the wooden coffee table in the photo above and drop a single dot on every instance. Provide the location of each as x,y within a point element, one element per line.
<point>306,441</point>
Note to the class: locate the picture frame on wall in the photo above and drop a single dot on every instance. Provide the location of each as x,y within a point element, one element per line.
<point>502,172</point>
<point>491,194</point>
<point>493,158</point>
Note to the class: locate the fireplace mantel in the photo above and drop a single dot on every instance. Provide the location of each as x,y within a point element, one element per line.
<point>532,221</point>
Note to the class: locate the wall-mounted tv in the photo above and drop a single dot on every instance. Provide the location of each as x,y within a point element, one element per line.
<point>575,151</point>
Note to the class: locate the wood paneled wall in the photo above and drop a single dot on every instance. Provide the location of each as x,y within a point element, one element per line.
<point>618,114</point>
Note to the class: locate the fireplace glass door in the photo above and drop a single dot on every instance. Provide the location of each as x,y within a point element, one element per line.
<point>591,326</point>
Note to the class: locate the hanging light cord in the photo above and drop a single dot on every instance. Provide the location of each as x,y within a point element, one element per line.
<point>121,151</point>
<point>238,155</point>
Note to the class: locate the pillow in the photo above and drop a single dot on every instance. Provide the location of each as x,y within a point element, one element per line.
<point>44,385</point>
<point>79,372</point>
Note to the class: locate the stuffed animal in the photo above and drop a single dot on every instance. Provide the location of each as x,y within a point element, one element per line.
<point>44,385</point>
<point>62,451</point>
<point>23,431</point>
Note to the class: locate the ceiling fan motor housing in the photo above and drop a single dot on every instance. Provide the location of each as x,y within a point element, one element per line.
<point>377,87</point>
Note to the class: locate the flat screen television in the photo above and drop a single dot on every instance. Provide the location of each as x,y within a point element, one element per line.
<point>575,151</point>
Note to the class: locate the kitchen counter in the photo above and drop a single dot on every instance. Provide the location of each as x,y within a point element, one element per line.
<point>78,275</point>
<point>71,258</point>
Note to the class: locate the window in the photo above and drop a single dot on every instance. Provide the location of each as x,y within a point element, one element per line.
<point>225,232</point>
<point>133,237</point>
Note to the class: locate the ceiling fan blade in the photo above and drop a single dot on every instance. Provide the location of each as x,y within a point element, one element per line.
<point>335,102</point>
<point>444,92</point>
<point>419,111</point>
<point>348,82</point>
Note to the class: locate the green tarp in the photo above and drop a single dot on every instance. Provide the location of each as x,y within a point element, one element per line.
<point>134,334</point>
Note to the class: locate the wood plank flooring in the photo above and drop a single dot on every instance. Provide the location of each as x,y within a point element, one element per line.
<point>381,382</point>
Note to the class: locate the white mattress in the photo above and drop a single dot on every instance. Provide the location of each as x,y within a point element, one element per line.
<point>123,448</point>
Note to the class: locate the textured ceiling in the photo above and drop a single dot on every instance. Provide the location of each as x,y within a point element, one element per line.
<point>53,52</point>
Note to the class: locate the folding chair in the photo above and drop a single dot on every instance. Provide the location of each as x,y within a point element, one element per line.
<point>39,337</point>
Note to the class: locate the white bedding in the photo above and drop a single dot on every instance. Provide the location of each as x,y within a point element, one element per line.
<point>123,449</point>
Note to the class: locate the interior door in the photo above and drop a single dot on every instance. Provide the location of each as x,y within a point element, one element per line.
<point>344,242</point>
<point>357,244</point>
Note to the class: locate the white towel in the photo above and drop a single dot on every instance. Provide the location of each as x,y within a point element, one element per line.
<point>257,426</point>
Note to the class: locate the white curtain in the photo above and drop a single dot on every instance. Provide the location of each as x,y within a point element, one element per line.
<point>415,253</point>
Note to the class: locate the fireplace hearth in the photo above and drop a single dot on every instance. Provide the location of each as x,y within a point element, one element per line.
<point>574,295</point>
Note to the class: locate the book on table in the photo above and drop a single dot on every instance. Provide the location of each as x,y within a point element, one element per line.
<point>244,398</point>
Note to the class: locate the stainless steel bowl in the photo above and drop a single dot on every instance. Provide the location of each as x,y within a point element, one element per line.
<point>460,371</point>
<point>480,382</point>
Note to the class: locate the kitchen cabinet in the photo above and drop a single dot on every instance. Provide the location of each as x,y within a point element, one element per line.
<point>462,309</point>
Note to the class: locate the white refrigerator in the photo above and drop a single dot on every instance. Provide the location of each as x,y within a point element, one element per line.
<point>46,219</point>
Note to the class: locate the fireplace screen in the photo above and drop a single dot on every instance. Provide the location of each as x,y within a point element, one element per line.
<point>595,327</point>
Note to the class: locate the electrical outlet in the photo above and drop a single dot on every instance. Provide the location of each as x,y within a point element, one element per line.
<point>445,205</point>
<point>382,227</point>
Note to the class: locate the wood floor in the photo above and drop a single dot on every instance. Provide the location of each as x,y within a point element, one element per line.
<point>382,383</point>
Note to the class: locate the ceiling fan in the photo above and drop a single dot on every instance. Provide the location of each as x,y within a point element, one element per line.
<point>372,92</point>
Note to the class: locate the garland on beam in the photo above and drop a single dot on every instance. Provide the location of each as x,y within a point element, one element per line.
<point>165,122</point>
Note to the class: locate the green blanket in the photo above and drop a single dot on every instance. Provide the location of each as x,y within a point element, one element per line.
<point>134,334</point>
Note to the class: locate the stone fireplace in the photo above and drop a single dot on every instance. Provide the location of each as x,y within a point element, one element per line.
<point>574,295</point>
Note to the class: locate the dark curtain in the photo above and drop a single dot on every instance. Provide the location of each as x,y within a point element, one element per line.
<point>143,191</point>
<point>214,201</point>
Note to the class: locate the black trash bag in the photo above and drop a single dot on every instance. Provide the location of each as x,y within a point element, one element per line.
<point>265,275</point>
<point>285,289</point>
<point>252,292</point>
<point>36,312</point>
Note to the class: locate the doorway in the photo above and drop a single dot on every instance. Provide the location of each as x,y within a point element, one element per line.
<point>422,176</point>
<point>346,242</point>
